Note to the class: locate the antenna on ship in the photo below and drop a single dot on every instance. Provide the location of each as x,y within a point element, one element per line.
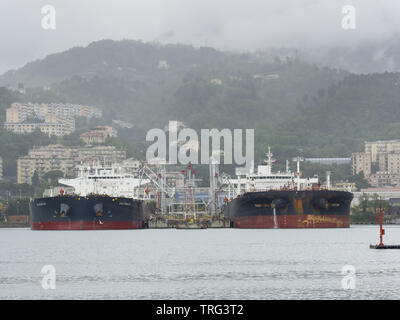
<point>269,160</point>
<point>298,172</point>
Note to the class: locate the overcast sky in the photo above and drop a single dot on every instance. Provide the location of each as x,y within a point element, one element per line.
<point>225,24</point>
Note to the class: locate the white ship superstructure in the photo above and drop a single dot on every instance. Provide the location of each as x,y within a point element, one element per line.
<point>113,181</point>
<point>264,179</point>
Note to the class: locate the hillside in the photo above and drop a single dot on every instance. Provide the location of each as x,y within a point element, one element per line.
<point>147,83</point>
<point>341,118</point>
<point>295,106</point>
<point>126,59</point>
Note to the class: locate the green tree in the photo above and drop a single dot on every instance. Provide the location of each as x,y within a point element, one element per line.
<point>35,179</point>
<point>368,208</point>
<point>361,182</point>
<point>18,206</point>
<point>52,177</point>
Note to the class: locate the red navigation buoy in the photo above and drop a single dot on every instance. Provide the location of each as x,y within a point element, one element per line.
<point>381,233</point>
<point>381,230</point>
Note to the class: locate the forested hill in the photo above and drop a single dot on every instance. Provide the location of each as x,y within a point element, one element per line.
<point>148,83</point>
<point>294,106</point>
<point>126,59</point>
<point>341,118</point>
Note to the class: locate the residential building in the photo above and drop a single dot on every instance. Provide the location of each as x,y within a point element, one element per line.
<point>361,162</point>
<point>53,150</point>
<point>381,146</point>
<point>98,134</point>
<point>93,137</point>
<point>58,157</point>
<point>27,166</point>
<point>52,119</point>
<point>393,163</point>
<point>380,178</point>
<point>102,154</point>
<point>60,128</point>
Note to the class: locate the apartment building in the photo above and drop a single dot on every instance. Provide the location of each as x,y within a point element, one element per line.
<point>60,128</point>
<point>20,111</point>
<point>101,154</point>
<point>52,119</point>
<point>27,166</point>
<point>384,178</point>
<point>361,162</point>
<point>380,162</point>
<point>382,146</point>
<point>58,157</point>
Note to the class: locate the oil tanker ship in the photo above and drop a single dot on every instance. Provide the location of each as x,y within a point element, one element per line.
<point>103,198</point>
<point>285,200</point>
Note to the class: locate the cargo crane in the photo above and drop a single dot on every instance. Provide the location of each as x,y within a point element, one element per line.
<point>218,183</point>
<point>162,188</point>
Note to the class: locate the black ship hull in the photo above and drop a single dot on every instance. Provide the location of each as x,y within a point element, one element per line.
<point>290,209</point>
<point>94,212</point>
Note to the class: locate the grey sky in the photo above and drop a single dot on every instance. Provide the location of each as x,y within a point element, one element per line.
<point>225,24</point>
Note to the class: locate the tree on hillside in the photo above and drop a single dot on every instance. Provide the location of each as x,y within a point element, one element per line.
<point>35,179</point>
<point>52,177</point>
<point>361,182</point>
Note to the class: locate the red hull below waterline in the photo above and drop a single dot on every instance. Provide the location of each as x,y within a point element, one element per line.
<point>292,221</point>
<point>86,225</point>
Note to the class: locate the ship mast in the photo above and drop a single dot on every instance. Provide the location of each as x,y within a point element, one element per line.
<point>298,172</point>
<point>269,160</point>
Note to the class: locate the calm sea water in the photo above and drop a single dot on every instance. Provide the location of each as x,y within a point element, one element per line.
<point>199,264</point>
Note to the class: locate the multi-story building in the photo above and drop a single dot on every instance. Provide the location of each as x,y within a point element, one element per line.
<point>27,166</point>
<point>393,163</point>
<point>102,154</point>
<point>52,119</point>
<point>98,134</point>
<point>380,162</point>
<point>20,111</point>
<point>390,162</point>
<point>93,137</point>
<point>60,128</point>
<point>380,178</point>
<point>382,146</point>
<point>57,157</point>
<point>53,150</point>
<point>361,162</point>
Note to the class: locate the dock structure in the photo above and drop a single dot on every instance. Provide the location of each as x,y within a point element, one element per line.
<point>381,233</point>
<point>377,246</point>
<point>179,202</point>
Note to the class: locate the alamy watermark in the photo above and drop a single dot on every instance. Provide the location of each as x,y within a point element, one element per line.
<point>349,19</point>
<point>184,146</point>
<point>349,280</point>
<point>49,277</point>
<point>48,21</point>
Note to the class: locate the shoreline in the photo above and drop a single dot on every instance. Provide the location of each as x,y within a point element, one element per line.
<point>14,225</point>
